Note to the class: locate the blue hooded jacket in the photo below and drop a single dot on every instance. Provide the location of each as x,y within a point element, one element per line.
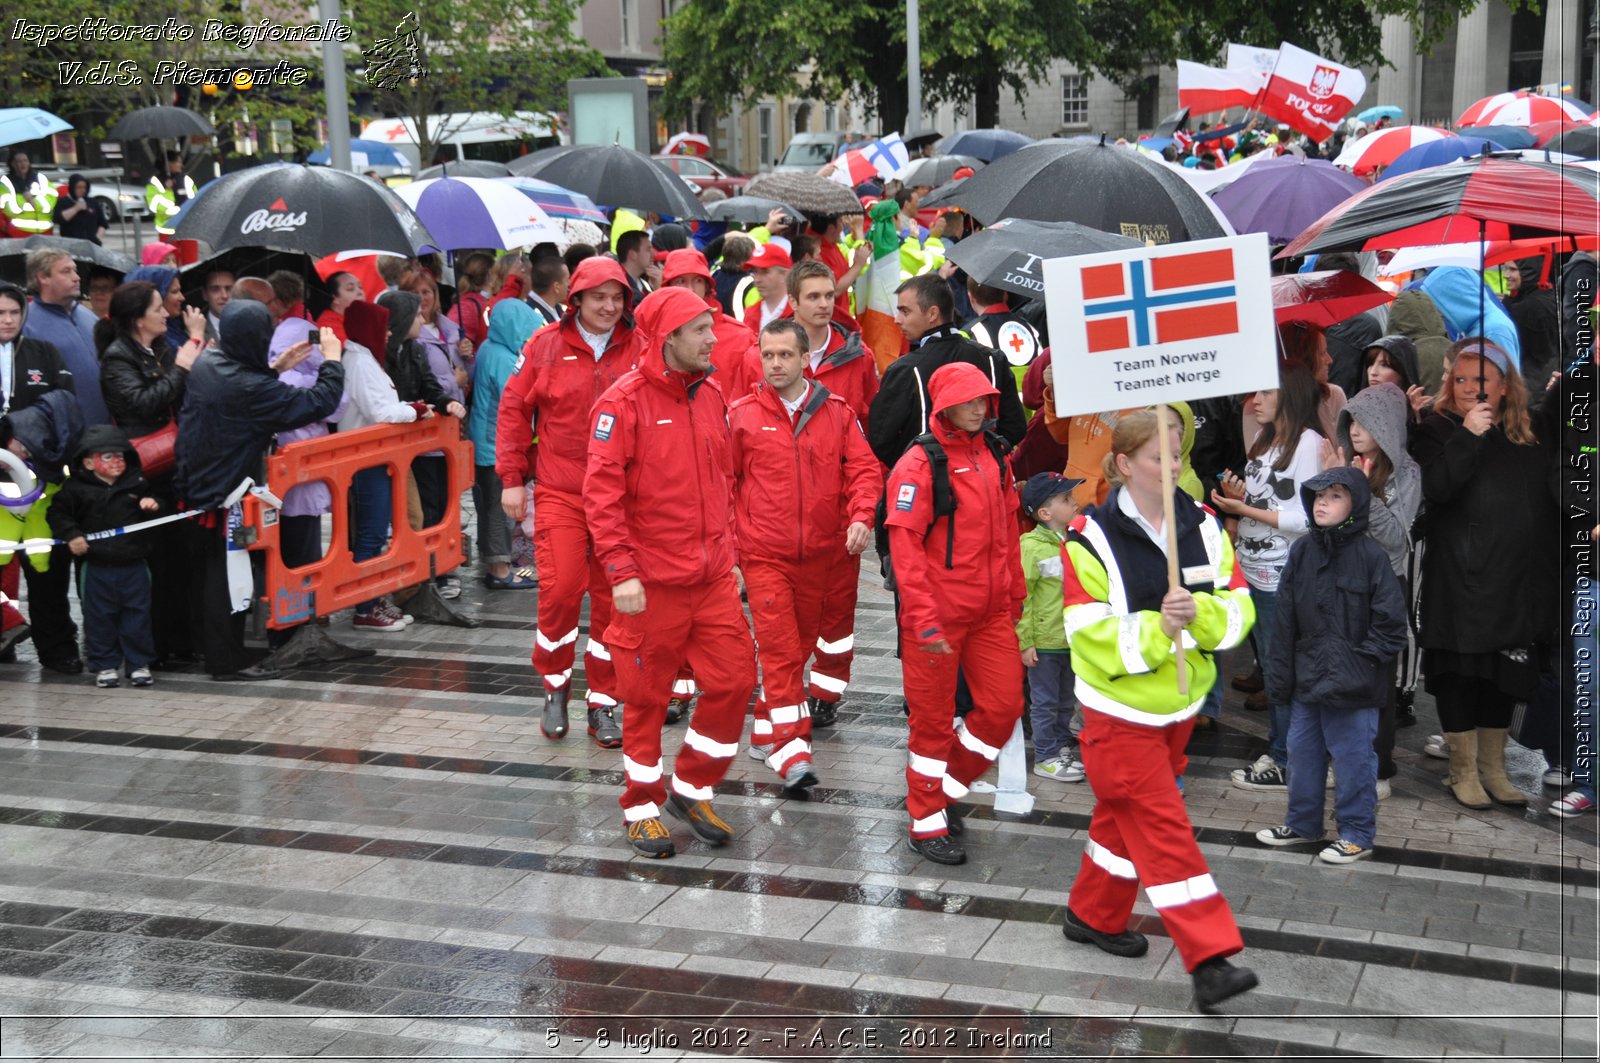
<point>510,325</point>
<point>1455,291</point>
<point>162,277</point>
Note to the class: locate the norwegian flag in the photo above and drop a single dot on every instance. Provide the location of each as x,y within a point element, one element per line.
<point>1160,300</point>
<point>1309,93</point>
<point>879,158</point>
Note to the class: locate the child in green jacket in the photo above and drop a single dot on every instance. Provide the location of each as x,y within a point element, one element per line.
<point>1041,633</point>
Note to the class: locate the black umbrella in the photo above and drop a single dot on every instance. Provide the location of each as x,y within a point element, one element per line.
<point>752,210</point>
<point>615,176</point>
<point>81,251</point>
<point>466,168</point>
<point>1173,122</point>
<point>812,194</point>
<point>1007,254</point>
<point>1582,141</point>
<point>1113,189</point>
<point>937,170</point>
<point>291,207</point>
<point>163,123</point>
<point>918,138</point>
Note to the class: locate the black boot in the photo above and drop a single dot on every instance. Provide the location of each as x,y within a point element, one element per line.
<point>941,850</point>
<point>823,713</point>
<point>1217,980</point>
<point>1128,943</point>
<point>553,724</point>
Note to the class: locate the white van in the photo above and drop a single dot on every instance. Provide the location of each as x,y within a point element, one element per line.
<point>810,151</point>
<point>470,135</point>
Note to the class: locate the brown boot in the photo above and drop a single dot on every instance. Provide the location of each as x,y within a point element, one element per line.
<point>1492,768</point>
<point>1463,777</point>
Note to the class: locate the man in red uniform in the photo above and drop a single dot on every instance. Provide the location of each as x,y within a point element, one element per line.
<point>659,492</point>
<point>738,359</point>
<point>564,368</point>
<point>805,486</point>
<point>839,361</point>
<point>961,593</point>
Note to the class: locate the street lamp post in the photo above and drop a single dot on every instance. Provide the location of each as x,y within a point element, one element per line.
<point>334,92</point>
<point>913,66</point>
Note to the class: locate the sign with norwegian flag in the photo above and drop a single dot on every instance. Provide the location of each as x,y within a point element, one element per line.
<point>1309,93</point>
<point>1158,324</point>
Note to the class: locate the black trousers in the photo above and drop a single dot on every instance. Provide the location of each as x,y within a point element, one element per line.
<point>1466,702</point>
<point>55,636</point>
<point>433,488</point>
<point>116,616</point>
<point>223,629</point>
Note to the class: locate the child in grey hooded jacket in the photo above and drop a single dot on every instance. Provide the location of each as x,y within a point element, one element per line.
<point>1372,439</point>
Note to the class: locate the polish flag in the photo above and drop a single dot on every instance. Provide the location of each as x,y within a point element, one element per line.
<point>1206,89</point>
<point>1309,93</point>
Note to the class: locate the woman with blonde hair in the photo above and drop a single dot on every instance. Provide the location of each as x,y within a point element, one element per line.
<point>1121,620</point>
<point>1489,587</point>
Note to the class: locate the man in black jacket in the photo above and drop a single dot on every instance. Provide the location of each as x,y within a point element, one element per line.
<point>924,309</point>
<point>232,408</point>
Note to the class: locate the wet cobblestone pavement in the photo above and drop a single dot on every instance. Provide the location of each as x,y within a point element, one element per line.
<point>385,859</point>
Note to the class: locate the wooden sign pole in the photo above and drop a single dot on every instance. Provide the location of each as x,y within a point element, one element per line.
<point>1169,520</point>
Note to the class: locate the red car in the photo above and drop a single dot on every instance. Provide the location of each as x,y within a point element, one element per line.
<point>705,173</point>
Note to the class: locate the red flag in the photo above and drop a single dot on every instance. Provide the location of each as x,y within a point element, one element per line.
<point>1309,93</point>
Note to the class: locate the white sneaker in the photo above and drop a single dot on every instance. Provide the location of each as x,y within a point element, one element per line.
<point>1383,789</point>
<point>107,677</point>
<point>760,752</point>
<point>1558,776</point>
<point>141,677</point>
<point>1264,774</point>
<point>1436,746</point>
<point>1330,783</point>
<point>1060,768</point>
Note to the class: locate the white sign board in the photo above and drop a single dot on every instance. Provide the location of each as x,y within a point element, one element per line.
<point>1160,324</point>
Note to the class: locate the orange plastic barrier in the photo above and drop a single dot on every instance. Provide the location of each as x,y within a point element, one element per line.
<point>338,581</point>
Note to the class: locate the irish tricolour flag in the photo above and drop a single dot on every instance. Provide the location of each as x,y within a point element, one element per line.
<point>876,285</point>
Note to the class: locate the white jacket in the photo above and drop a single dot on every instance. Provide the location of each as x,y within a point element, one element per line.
<point>373,399</point>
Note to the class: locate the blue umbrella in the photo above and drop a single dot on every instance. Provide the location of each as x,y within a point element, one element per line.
<point>985,144</point>
<point>1437,153</point>
<point>18,124</point>
<point>1509,137</point>
<point>377,152</point>
<point>1383,110</point>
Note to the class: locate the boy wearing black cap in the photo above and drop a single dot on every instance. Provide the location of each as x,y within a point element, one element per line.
<point>1047,499</point>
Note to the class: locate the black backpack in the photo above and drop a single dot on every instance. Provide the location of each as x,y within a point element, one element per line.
<point>944,499</point>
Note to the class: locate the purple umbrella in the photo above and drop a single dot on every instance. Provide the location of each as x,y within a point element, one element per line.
<point>1282,197</point>
<point>478,212</point>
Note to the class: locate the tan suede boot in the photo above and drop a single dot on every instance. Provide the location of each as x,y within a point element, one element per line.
<point>1463,777</point>
<point>1492,768</point>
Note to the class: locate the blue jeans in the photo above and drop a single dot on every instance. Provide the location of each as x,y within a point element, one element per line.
<point>374,507</point>
<point>116,615</point>
<point>1347,734</point>
<point>1050,689</point>
<point>1584,659</point>
<point>1266,603</point>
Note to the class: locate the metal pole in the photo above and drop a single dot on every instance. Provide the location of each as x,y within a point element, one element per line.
<point>913,66</point>
<point>337,96</point>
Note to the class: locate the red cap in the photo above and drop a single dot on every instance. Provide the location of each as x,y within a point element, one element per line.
<point>768,256</point>
<point>962,171</point>
<point>684,262</point>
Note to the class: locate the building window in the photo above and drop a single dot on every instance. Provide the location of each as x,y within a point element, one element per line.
<point>764,134</point>
<point>830,118</point>
<point>630,25</point>
<point>1074,99</point>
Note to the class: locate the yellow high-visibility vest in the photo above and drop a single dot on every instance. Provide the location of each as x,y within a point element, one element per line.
<point>30,209</point>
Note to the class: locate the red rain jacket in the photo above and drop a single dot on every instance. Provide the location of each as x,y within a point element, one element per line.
<point>659,488</point>
<point>554,386</point>
<point>986,574</point>
<point>799,484</point>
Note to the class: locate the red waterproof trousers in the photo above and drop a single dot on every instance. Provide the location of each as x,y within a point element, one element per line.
<point>704,625</point>
<point>836,638</point>
<point>564,555</point>
<point>941,763</point>
<point>1140,833</point>
<point>10,578</point>
<point>786,601</point>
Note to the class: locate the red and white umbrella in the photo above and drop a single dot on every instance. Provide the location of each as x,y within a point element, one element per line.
<point>1365,154</point>
<point>1520,109</point>
<point>687,144</point>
